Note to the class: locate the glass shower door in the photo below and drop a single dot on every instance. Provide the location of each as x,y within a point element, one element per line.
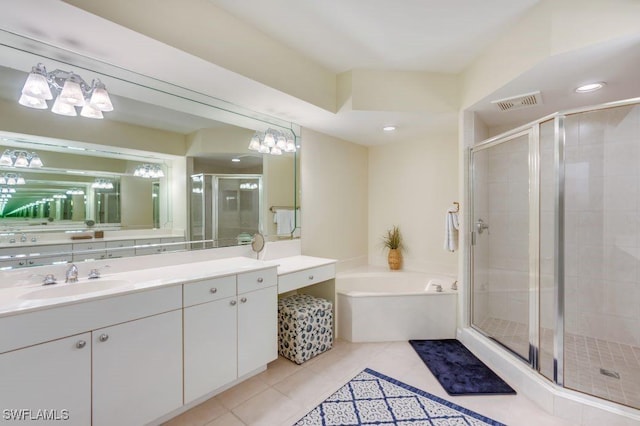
<point>500,242</point>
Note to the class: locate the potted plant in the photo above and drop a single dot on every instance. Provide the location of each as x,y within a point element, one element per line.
<point>393,241</point>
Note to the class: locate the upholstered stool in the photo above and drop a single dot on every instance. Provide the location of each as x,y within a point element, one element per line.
<point>305,327</point>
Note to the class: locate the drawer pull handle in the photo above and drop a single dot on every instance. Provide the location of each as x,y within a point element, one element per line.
<point>233,303</point>
<point>243,300</point>
<point>310,277</point>
<point>103,337</point>
<point>260,279</point>
<point>213,290</point>
<point>81,344</point>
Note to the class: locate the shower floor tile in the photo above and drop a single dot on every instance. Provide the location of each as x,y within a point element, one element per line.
<point>584,358</point>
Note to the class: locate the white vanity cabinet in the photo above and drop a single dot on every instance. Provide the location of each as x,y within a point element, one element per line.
<point>257,319</point>
<point>230,329</point>
<point>137,370</point>
<point>210,334</point>
<point>53,376</point>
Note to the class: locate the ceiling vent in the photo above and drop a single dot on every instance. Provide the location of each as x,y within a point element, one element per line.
<point>520,101</point>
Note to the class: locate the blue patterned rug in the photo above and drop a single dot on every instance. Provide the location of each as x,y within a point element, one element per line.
<point>372,398</point>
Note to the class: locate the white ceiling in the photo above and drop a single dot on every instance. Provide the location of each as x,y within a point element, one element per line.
<point>410,35</point>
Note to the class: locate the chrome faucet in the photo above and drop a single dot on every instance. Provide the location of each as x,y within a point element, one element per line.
<point>71,276</point>
<point>23,238</point>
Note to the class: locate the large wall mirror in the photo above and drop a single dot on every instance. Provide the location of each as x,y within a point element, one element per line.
<point>213,189</point>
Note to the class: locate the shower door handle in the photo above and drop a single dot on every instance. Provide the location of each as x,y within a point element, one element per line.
<point>481,226</point>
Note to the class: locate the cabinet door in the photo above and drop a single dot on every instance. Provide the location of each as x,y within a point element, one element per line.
<point>53,376</point>
<point>210,352</point>
<point>257,329</point>
<point>137,370</point>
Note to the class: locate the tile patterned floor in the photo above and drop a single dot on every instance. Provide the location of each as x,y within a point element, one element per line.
<point>584,357</point>
<point>285,392</point>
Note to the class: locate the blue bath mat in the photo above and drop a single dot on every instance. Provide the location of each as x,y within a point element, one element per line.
<point>458,370</point>
<point>372,398</point>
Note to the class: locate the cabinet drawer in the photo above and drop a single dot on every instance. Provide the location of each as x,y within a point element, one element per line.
<point>209,290</point>
<point>306,277</point>
<point>250,281</point>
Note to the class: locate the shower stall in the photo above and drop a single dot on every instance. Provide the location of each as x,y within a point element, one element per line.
<point>555,247</point>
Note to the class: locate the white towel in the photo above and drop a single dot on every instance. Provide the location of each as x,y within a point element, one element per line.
<point>451,230</point>
<point>285,221</point>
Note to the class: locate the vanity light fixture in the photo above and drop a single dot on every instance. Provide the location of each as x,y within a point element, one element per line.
<point>72,91</point>
<point>273,142</point>
<point>591,87</point>
<point>75,191</point>
<point>16,158</point>
<point>12,179</point>
<point>102,184</point>
<point>6,190</point>
<point>149,171</point>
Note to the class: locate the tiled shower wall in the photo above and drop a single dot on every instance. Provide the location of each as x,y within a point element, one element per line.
<point>602,224</point>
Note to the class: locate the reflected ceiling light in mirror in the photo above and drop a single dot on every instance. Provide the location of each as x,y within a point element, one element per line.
<point>102,184</point>
<point>150,171</point>
<point>389,128</point>
<point>75,191</point>
<point>6,190</point>
<point>273,142</point>
<point>12,179</point>
<point>249,186</point>
<point>72,91</point>
<point>16,158</point>
<point>235,160</point>
<point>60,196</point>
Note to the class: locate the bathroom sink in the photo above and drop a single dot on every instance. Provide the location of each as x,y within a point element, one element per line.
<point>74,289</point>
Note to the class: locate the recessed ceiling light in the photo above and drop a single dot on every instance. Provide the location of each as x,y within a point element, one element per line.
<point>235,160</point>
<point>591,87</point>
<point>389,128</point>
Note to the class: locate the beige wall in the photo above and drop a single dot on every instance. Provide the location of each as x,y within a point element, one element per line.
<point>334,198</point>
<point>412,184</point>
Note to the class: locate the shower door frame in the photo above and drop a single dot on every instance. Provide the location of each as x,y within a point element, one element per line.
<point>534,225</point>
<point>532,133</point>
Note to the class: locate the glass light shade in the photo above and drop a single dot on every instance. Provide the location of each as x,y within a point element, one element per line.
<point>100,99</point>
<point>5,159</point>
<point>89,111</point>
<point>281,142</point>
<point>71,94</point>
<point>63,108</point>
<point>3,180</point>
<point>37,86</point>
<point>60,196</point>
<point>263,149</point>
<point>20,180</point>
<point>31,102</point>
<point>291,146</point>
<point>12,190</point>
<point>11,181</point>
<point>269,140</point>
<point>4,190</point>
<point>276,151</point>
<point>158,172</point>
<point>254,145</point>
<point>21,160</point>
<point>35,161</point>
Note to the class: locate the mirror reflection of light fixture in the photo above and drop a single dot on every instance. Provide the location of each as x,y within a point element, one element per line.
<point>72,91</point>
<point>273,142</point>
<point>150,171</point>
<point>60,196</point>
<point>5,190</point>
<point>75,191</point>
<point>102,184</point>
<point>249,186</point>
<point>12,179</point>
<point>17,158</point>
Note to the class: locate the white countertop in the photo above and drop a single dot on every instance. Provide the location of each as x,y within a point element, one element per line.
<point>288,265</point>
<point>15,299</point>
